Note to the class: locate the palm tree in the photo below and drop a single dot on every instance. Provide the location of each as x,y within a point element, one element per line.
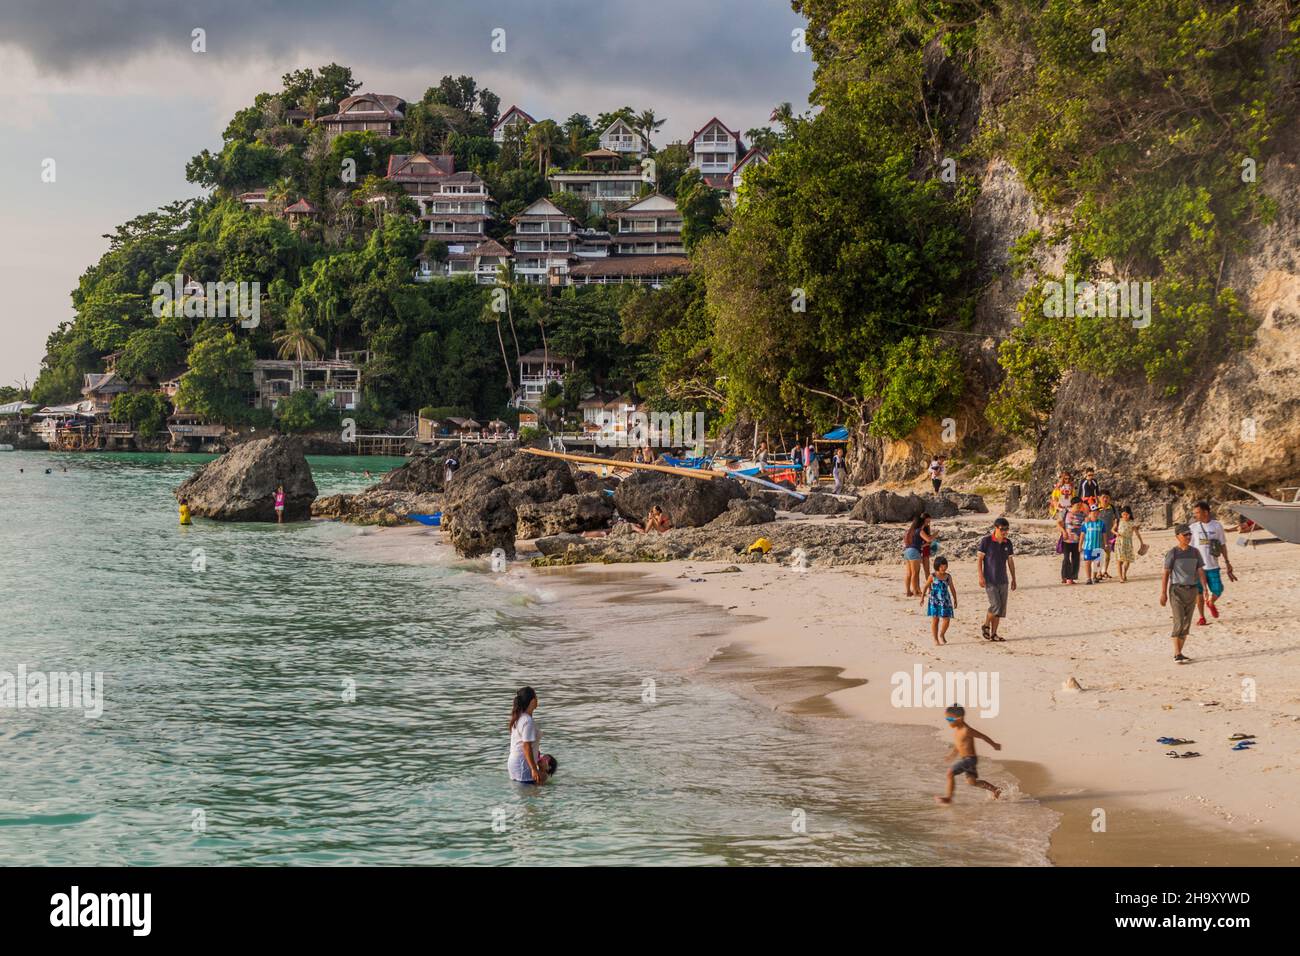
<point>490,314</point>
<point>297,339</point>
<point>543,139</point>
<point>506,280</point>
<point>646,124</point>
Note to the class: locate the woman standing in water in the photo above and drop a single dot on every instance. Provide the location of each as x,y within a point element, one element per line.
<point>523,760</point>
<point>279,504</point>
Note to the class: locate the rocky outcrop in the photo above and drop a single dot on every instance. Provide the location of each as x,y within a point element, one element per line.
<point>822,543</point>
<point>742,512</point>
<point>688,502</point>
<point>1238,423</point>
<point>821,504</point>
<point>884,507</point>
<point>241,484</point>
<point>566,515</point>
<point>482,498</point>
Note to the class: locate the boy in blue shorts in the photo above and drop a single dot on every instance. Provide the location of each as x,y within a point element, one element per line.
<point>1094,531</point>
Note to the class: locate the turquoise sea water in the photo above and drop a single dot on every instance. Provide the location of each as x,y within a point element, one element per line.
<point>228,652</point>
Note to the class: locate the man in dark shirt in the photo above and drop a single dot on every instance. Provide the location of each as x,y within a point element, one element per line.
<point>995,551</point>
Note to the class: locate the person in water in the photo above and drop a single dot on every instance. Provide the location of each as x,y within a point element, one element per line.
<point>963,748</point>
<point>524,763</point>
<point>279,504</point>
<point>185,510</point>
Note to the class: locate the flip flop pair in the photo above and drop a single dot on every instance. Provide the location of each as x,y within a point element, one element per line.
<point>1185,753</point>
<point>1174,741</point>
<point>1242,737</point>
<point>1243,745</point>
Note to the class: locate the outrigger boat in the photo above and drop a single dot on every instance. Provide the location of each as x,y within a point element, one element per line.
<point>1282,518</point>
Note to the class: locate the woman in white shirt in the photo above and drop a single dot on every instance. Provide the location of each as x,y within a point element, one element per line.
<point>523,760</point>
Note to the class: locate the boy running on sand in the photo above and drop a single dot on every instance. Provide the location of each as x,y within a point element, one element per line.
<point>963,747</point>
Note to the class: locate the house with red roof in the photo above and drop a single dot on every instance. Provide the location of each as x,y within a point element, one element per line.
<point>715,149</point>
<point>511,118</point>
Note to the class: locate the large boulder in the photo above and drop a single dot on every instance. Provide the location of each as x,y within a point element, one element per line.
<point>742,512</point>
<point>484,525</point>
<point>940,506</point>
<point>481,499</point>
<point>818,503</point>
<point>240,485</point>
<point>688,502</point>
<point>884,507</point>
<point>569,514</point>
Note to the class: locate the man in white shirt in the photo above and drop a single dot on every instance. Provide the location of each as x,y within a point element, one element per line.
<point>1211,540</point>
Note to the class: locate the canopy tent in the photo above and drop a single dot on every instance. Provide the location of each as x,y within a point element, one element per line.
<point>16,408</point>
<point>839,433</point>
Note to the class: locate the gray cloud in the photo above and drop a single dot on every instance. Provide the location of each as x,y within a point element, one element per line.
<point>731,50</point>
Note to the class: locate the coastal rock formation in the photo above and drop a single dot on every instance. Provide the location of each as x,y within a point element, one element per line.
<point>823,543</point>
<point>883,507</point>
<point>375,507</point>
<point>482,524</point>
<point>479,510</point>
<point>742,512</point>
<point>688,502</point>
<point>581,512</point>
<point>820,504</point>
<point>240,485</point>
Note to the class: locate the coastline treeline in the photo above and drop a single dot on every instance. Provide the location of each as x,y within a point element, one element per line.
<point>839,287</point>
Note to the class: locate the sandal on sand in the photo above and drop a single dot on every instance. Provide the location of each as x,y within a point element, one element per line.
<point>984,629</point>
<point>1242,737</point>
<point>1185,753</point>
<point>1243,745</point>
<point>1000,640</point>
<point>1174,741</point>
<point>1214,609</point>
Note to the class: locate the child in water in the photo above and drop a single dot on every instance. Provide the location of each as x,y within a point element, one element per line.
<point>940,597</point>
<point>963,747</point>
<point>185,510</point>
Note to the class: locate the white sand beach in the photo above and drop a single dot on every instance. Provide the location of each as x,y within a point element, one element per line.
<point>1090,755</point>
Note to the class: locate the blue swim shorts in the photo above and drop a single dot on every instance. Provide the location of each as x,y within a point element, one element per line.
<point>1215,578</point>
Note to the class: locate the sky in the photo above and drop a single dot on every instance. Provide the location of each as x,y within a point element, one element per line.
<point>115,95</point>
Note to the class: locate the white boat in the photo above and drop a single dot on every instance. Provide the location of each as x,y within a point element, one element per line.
<point>1280,517</point>
<point>6,447</point>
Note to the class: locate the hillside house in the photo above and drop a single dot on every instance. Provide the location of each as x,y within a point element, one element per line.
<point>512,120</point>
<point>543,243</point>
<point>715,150</point>
<point>379,113</point>
<point>339,377</point>
<point>646,247</point>
<point>622,140</point>
<point>537,369</point>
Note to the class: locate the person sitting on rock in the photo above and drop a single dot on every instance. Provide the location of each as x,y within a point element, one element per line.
<point>656,520</point>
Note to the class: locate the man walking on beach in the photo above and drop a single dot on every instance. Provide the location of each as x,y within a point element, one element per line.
<point>1210,538</point>
<point>1184,573</point>
<point>994,561</point>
